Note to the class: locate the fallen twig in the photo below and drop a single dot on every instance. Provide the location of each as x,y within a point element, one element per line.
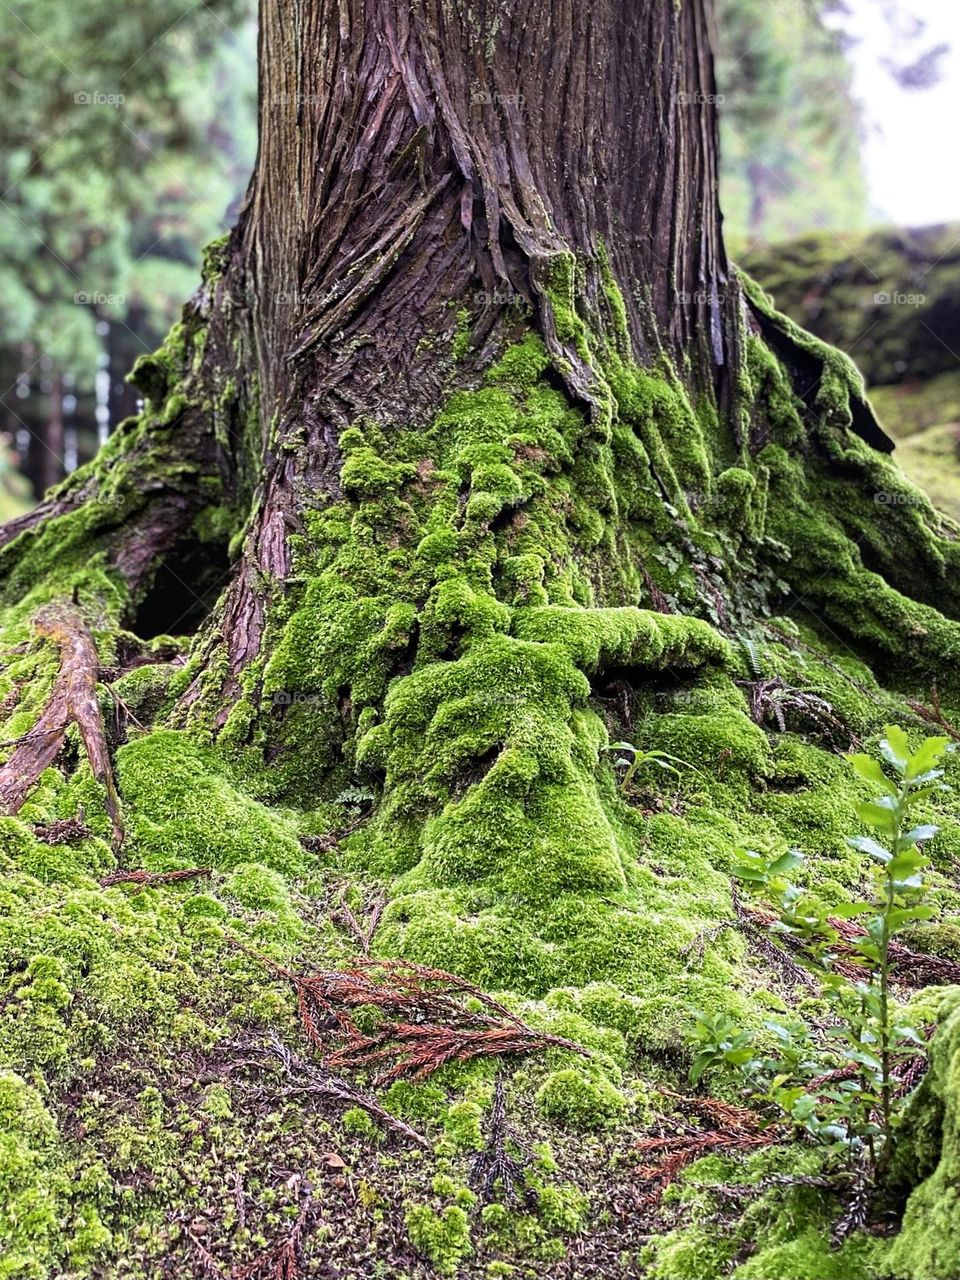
<point>304,1078</point>
<point>494,1164</point>
<point>362,932</point>
<point>149,878</point>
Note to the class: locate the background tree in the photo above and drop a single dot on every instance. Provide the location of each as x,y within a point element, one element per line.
<point>790,128</point>
<point>470,452</point>
<point>124,140</point>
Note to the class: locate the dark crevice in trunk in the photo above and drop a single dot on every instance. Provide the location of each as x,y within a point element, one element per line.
<point>185,587</point>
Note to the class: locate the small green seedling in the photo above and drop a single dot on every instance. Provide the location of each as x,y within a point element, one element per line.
<point>637,760</point>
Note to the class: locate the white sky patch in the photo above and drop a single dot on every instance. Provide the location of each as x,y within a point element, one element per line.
<point>911,147</point>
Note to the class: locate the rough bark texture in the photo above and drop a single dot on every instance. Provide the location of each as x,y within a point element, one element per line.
<point>470,457</point>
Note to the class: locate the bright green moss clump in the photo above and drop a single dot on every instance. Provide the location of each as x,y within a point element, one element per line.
<point>928,1247</point>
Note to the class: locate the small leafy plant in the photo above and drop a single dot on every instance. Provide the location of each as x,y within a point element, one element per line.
<point>842,1086</point>
<point>635,760</point>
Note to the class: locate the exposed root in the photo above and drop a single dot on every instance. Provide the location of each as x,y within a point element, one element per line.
<point>149,878</point>
<point>731,1129</point>
<point>303,1078</point>
<point>72,700</point>
<point>494,1169</point>
<point>427,1019</point>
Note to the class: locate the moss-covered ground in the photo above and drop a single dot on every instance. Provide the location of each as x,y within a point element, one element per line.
<point>495,598</point>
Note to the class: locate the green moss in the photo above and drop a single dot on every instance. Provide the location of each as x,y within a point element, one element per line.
<point>493,598</point>
<point>180,805</point>
<point>442,1237</point>
<point>928,1246</point>
<point>462,1126</point>
<point>575,1098</point>
<point>29,1217</point>
<point>810,1257</point>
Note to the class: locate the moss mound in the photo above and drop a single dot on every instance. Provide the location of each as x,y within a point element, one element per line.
<point>422,763</point>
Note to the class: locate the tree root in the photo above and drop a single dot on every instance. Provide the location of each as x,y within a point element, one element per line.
<point>73,699</point>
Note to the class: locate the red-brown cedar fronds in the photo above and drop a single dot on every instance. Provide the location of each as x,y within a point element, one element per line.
<point>429,1018</point>
<point>284,1260</point>
<point>731,1129</point>
<point>150,878</point>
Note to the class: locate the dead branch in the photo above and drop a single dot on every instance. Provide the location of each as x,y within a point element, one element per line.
<point>150,878</point>
<point>73,699</point>
<point>304,1078</point>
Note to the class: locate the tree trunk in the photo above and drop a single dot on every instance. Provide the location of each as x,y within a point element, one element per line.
<point>470,454</point>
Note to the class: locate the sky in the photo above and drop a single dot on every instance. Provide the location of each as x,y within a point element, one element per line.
<point>912,155</point>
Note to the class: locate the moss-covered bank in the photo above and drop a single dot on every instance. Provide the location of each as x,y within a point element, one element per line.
<point>488,602</point>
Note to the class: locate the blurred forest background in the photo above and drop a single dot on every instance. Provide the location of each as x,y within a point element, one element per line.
<point>128,134</point>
